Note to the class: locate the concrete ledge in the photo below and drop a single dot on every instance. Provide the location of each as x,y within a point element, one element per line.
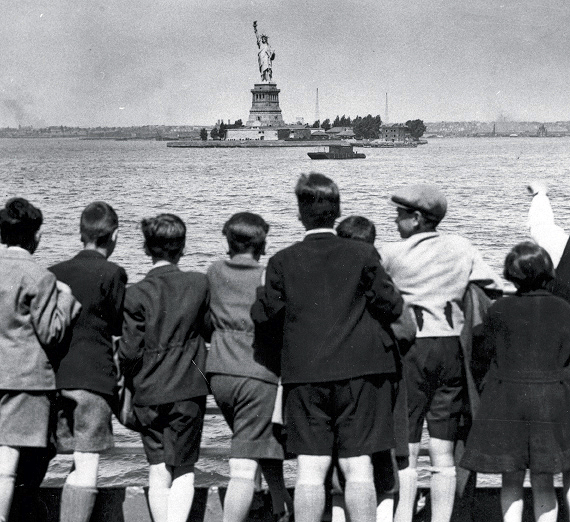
<point>130,505</point>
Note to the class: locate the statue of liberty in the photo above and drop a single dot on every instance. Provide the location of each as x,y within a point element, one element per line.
<point>265,55</point>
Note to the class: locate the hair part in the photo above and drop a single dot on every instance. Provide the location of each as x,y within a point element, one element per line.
<point>246,232</point>
<point>357,227</point>
<point>19,223</point>
<point>528,266</point>
<point>164,236</point>
<point>98,222</point>
<point>319,200</point>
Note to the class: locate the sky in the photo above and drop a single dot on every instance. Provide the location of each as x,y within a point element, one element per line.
<point>186,62</point>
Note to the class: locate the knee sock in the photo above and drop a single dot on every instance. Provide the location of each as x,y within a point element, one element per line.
<point>360,501</point>
<point>76,503</point>
<point>180,498</point>
<point>237,502</point>
<point>309,502</point>
<point>443,482</point>
<point>408,478</point>
<point>158,503</point>
<point>6,493</point>
<point>385,508</point>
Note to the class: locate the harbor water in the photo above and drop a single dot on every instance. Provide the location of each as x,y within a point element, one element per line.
<point>483,178</point>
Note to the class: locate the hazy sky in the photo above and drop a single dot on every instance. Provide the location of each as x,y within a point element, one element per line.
<point>137,62</point>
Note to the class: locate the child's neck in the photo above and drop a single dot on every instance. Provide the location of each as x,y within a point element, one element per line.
<point>251,255</point>
<point>104,250</point>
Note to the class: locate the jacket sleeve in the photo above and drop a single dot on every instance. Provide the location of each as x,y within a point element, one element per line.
<point>270,297</point>
<point>117,300</point>
<point>131,344</point>
<point>383,298</point>
<point>51,310</point>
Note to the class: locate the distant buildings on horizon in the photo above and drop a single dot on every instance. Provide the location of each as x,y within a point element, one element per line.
<point>173,132</point>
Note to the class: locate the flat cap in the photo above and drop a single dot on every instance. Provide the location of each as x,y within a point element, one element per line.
<point>428,199</point>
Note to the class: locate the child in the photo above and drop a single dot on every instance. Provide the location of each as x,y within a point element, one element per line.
<point>385,465</point>
<point>35,311</point>
<point>433,271</point>
<point>523,420</point>
<point>163,349</point>
<point>337,365</point>
<point>86,374</point>
<point>244,389</point>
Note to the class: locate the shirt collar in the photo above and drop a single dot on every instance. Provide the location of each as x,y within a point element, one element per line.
<point>320,231</point>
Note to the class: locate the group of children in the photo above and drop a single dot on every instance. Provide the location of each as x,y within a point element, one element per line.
<point>359,349</point>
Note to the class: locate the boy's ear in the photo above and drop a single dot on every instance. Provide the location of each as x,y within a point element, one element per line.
<point>37,237</point>
<point>114,235</point>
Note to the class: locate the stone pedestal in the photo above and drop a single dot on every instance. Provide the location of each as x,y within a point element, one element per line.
<point>265,110</point>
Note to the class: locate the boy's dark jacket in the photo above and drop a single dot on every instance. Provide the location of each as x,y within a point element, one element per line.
<point>165,328</point>
<point>99,285</point>
<point>334,302</point>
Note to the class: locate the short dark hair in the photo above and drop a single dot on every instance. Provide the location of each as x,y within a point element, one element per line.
<point>164,236</point>
<point>245,232</point>
<point>319,200</point>
<point>357,227</point>
<point>98,222</point>
<point>528,266</point>
<point>19,222</point>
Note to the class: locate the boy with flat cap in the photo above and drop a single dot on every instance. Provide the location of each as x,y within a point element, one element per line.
<point>432,271</point>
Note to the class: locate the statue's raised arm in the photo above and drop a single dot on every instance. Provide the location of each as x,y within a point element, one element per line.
<point>265,55</point>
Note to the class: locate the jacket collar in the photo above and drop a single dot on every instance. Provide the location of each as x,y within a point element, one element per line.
<point>319,233</point>
<point>162,269</point>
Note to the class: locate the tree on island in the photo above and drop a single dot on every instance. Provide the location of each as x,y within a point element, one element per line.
<point>326,125</point>
<point>367,127</point>
<point>417,128</point>
<point>237,124</point>
<point>317,124</point>
<point>342,122</point>
<point>222,131</point>
<point>214,134</point>
<point>203,134</point>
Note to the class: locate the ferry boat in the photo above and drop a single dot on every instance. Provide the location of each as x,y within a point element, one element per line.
<point>344,151</point>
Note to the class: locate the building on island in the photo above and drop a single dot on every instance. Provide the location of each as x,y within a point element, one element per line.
<point>395,132</point>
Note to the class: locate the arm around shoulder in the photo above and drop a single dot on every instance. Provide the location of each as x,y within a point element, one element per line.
<point>52,309</point>
<point>382,296</point>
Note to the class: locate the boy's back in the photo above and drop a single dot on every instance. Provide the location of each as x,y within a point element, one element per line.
<point>166,321</point>
<point>325,283</point>
<point>99,285</point>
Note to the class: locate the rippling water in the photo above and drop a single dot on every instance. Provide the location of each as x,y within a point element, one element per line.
<point>484,180</point>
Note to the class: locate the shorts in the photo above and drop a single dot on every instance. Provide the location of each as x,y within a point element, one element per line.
<point>349,418</point>
<point>436,386</point>
<point>83,422</point>
<point>172,433</point>
<point>247,406</point>
<point>24,418</point>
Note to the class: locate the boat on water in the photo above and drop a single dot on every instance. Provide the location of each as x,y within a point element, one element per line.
<point>344,151</point>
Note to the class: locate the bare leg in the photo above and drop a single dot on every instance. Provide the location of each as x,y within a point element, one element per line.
<point>512,496</point>
<point>240,489</point>
<point>408,486</point>
<point>159,483</point>
<point>309,488</point>
<point>273,472</point>
<point>359,491</point>
<point>9,457</point>
<point>544,497</point>
<point>443,479</point>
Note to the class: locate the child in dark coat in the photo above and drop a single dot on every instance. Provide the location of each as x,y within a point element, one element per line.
<point>163,350</point>
<point>523,421</point>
